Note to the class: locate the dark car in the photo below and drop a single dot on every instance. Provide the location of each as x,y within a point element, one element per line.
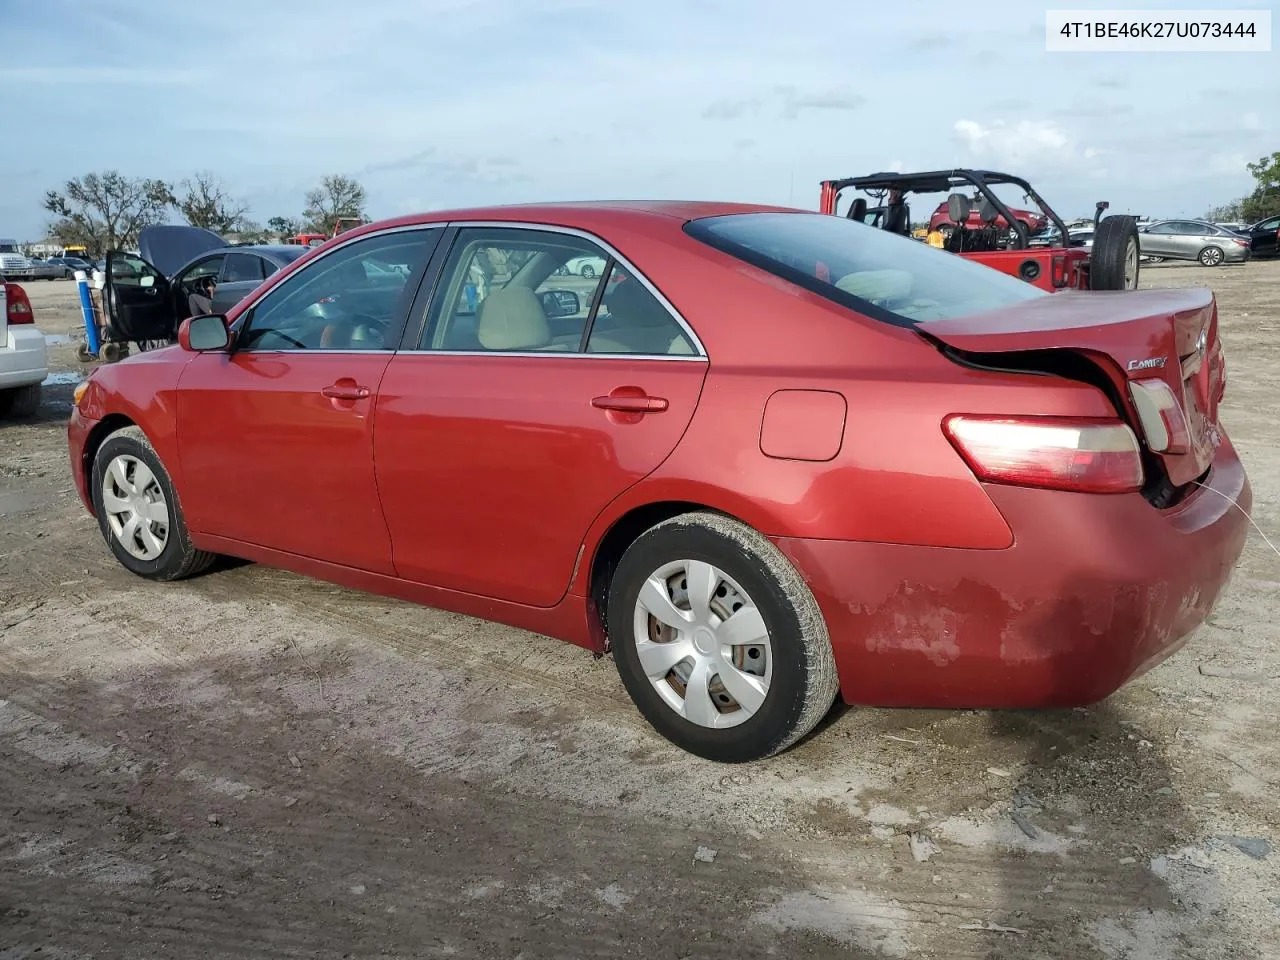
<point>69,265</point>
<point>148,296</point>
<point>1264,237</point>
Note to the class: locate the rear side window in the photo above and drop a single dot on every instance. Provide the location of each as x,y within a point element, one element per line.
<point>882,275</point>
<point>240,267</point>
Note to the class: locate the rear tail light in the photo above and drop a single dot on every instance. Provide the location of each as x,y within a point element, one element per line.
<point>1058,271</point>
<point>1241,243</point>
<point>1060,453</point>
<point>1160,415</point>
<point>19,307</point>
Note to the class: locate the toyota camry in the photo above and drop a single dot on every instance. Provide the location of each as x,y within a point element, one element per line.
<point>764,457</point>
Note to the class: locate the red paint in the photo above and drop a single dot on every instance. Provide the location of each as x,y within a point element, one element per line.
<point>492,468</point>
<point>485,484</point>
<point>803,425</point>
<point>1096,590</point>
<point>269,457</point>
<point>1034,222</point>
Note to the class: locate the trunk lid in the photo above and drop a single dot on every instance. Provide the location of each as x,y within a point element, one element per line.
<point>1131,336</point>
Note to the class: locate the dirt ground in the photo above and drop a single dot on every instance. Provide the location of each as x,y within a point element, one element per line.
<point>253,764</point>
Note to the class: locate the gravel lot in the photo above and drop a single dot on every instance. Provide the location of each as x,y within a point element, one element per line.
<point>253,764</point>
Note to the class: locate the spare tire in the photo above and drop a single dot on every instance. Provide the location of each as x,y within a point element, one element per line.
<point>1113,262</point>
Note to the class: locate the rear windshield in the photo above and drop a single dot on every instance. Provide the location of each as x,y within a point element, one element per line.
<point>880,274</point>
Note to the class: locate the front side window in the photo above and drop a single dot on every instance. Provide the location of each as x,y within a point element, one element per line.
<point>879,274</point>
<point>351,299</point>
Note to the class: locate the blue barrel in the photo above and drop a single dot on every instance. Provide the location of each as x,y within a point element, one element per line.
<point>86,308</point>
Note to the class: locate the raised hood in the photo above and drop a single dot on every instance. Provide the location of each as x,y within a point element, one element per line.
<point>1135,336</point>
<point>169,247</point>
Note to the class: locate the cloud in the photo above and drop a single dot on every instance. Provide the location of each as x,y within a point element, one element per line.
<point>932,41</point>
<point>794,103</point>
<point>135,76</point>
<point>1111,83</point>
<point>1027,142</point>
<point>731,109</point>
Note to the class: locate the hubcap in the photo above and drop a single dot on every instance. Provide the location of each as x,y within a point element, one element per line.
<point>1131,266</point>
<point>134,504</point>
<point>703,644</point>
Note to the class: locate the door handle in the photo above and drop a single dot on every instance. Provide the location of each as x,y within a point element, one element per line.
<point>630,404</point>
<point>345,391</point>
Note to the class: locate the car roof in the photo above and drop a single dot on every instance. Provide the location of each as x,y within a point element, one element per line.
<point>581,214</point>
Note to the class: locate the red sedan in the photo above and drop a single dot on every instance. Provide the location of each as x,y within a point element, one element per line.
<point>765,456</point>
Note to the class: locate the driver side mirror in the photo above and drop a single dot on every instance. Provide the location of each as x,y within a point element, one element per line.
<point>205,333</point>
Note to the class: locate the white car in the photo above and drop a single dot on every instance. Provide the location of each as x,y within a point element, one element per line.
<point>23,362</point>
<point>585,267</point>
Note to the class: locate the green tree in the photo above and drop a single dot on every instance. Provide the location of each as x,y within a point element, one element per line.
<point>337,196</point>
<point>1227,213</point>
<point>1265,200</point>
<point>284,226</point>
<point>205,203</point>
<point>106,211</point>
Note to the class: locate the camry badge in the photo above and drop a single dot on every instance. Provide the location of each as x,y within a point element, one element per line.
<point>1148,364</point>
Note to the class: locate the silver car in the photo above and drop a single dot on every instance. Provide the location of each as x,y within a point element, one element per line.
<point>1191,240</point>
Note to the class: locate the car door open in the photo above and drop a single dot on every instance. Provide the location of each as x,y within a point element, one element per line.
<point>138,300</point>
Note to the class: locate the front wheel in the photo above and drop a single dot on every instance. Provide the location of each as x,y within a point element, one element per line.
<point>1211,256</point>
<point>588,271</point>
<point>138,510</point>
<point>718,640</point>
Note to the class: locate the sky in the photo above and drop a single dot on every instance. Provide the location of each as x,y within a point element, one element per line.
<point>441,103</point>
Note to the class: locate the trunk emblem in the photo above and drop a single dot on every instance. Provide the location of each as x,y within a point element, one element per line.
<point>1148,364</point>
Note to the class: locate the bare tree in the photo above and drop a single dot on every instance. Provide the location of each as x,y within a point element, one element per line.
<point>106,210</point>
<point>337,196</point>
<point>206,203</point>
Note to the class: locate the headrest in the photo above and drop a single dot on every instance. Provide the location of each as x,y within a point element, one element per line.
<point>859,209</point>
<point>958,207</point>
<point>512,319</point>
<point>988,211</point>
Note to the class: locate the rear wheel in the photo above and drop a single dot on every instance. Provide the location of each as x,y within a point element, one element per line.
<point>718,640</point>
<point>1114,258</point>
<point>20,401</point>
<point>588,271</point>
<point>138,510</point>
<point>1211,257</point>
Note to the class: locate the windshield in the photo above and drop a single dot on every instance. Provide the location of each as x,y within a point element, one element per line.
<point>878,273</point>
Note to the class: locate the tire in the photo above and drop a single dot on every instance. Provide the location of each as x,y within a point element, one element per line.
<point>1116,254</point>
<point>786,685</point>
<point>588,271</point>
<point>177,558</point>
<point>1211,257</point>
<point>20,401</point>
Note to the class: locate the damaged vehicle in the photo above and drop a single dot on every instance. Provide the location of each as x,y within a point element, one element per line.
<point>767,458</point>
<point>977,223</point>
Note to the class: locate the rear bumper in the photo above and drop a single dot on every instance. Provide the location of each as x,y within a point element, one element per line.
<point>78,429</point>
<point>23,358</point>
<point>1095,590</point>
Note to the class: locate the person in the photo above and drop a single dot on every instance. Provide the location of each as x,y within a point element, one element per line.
<point>200,301</point>
<point>936,238</point>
